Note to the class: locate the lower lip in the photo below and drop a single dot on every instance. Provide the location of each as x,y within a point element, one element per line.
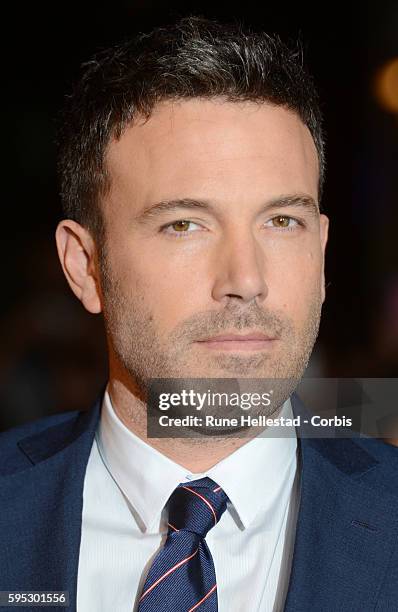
<point>237,345</point>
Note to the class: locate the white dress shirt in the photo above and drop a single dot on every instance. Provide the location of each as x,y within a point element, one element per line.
<point>126,487</point>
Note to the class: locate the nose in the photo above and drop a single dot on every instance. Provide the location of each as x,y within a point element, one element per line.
<point>240,269</point>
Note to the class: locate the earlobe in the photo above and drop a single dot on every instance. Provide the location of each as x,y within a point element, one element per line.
<point>76,251</point>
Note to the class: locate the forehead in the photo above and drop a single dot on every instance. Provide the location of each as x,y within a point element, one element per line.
<point>212,148</point>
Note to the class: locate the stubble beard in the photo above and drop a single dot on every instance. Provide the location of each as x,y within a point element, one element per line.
<point>143,354</point>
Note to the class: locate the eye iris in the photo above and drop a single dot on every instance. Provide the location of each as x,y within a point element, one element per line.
<point>281,221</point>
<point>180,226</point>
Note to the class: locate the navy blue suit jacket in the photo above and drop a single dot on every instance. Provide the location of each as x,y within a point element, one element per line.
<point>346,544</point>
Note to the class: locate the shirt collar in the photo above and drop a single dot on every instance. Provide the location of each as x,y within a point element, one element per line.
<point>252,476</point>
<point>145,476</point>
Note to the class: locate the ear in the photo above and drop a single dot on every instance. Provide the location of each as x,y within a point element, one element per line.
<point>77,254</point>
<point>324,231</point>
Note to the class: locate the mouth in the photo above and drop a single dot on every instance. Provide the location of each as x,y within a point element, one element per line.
<point>239,342</point>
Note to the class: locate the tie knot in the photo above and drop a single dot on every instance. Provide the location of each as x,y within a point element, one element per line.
<point>196,506</point>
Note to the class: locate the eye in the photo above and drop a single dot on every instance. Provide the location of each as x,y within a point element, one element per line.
<point>283,222</point>
<point>180,227</point>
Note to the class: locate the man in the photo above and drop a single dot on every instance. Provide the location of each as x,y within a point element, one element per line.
<point>192,165</point>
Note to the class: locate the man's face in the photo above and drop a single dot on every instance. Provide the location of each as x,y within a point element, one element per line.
<point>212,229</point>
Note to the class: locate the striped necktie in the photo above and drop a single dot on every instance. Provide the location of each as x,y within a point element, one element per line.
<point>182,577</point>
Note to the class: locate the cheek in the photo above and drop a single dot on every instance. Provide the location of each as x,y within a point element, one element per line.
<point>171,288</point>
<point>294,282</point>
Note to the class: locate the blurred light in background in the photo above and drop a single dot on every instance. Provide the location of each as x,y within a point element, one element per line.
<point>387,86</point>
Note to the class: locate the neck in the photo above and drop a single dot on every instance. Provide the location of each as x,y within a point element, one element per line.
<point>195,455</point>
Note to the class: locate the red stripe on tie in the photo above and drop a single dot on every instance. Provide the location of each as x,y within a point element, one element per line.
<point>217,489</point>
<point>172,526</point>
<point>203,499</point>
<point>203,599</point>
<point>172,569</point>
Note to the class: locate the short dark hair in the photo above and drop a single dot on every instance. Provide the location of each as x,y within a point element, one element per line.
<point>193,58</point>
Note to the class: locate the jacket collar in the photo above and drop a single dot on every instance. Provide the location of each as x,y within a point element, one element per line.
<point>80,428</point>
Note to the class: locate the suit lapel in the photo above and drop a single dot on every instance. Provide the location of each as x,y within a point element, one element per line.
<point>346,529</point>
<point>42,508</point>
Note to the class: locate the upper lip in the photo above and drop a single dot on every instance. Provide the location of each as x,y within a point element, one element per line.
<point>238,337</point>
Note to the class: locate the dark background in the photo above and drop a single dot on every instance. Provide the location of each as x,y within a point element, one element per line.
<point>53,353</point>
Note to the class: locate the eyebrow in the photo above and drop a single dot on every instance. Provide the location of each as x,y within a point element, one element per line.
<point>302,200</point>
